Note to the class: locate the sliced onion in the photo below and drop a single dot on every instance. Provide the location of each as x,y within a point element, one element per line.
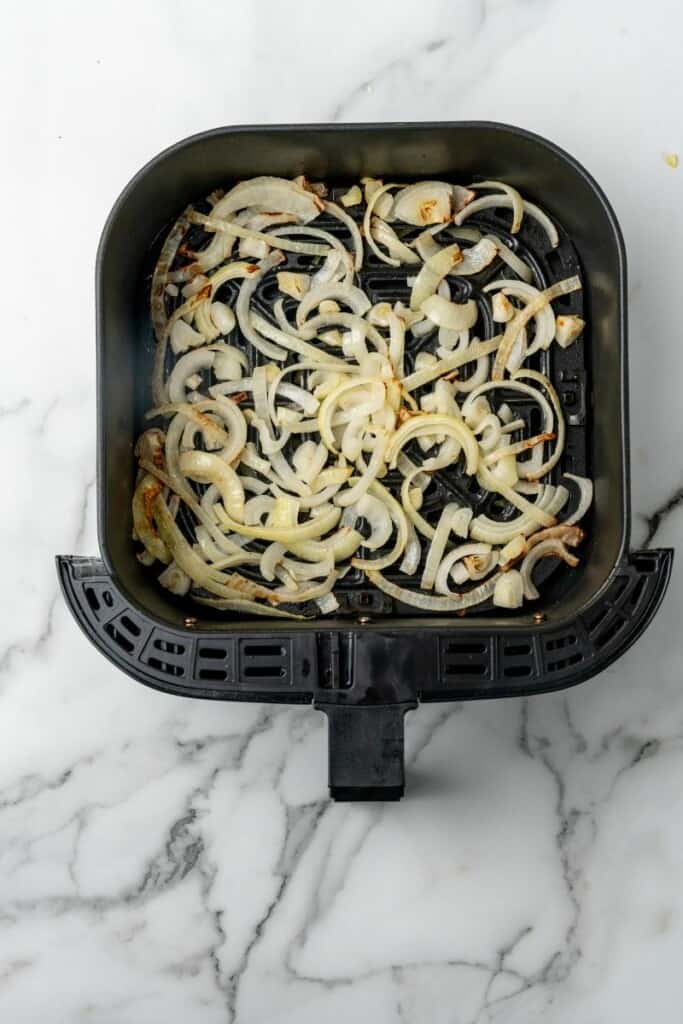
<point>294,495</point>
<point>310,530</point>
<point>367,225</point>
<point>229,363</point>
<point>221,584</point>
<point>502,308</point>
<point>446,565</point>
<point>169,251</point>
<point>269,194</point>
<point>183,337</point>
<point>515,201</point>
<point>490,202</point>
<point>350,224</point>
<point>452,362</point>
<point>513,550</point>
<point>427,202</point>
<point>509,590</point>
<point>295,285</point>
<point>433,271</point>
<point>269,560</point>
<point>370,473</point>
<point>547,548</point>
<point>295,344</point>
<point>372,395</point>
<point>186,367</point>
<point>554,457</point>
<point>412,553</point>
<point>455,602</point>
<point>514,262</point>
<point>354,298</point>
<point>426,244</point>
<point>243,314</point>
<point>341,545</point>
<point>435,423</point>
<point>353,197</point>
<point>568,329</point>
<point>456,316</point>
<point>476,259</point>
<point>174,579</point>
<point>551,501</point>
<point>145,493</point>
<point>585,498</point>
<point>385,235</point>
<point>570,536</point>
<point>328,603</point>
<point>206,468</point>
<point>313,592</point>
<point>438,546</point>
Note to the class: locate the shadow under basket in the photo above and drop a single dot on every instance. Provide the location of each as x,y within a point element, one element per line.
<point>376,660</point>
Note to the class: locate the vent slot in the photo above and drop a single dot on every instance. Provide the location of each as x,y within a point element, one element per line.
<point>167,667</point>
<point>645,563</point>
<point>265,664</point>
<point>214,661</point>
<point>119,638</point>
<point>92,599</point>
<point>251,650</point>
<point>619,586</point>
<point>464,668</point>
<point>213,653</point>
<point>169,646</point>
<point>517,658</point>
<point>597,617</point>
<point>511,650</point>
<point>218,675</point>
<point>519,671</point>
<point>560,663</point>
<point>613,628</point>
<point>632,600</point>
<point>264,671</point>
<point>129,625</point>
<point>556,643</point>
<point>466,647</point>
<point>466,658</point>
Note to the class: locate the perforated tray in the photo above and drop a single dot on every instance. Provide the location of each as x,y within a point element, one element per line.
<point>566,368</point>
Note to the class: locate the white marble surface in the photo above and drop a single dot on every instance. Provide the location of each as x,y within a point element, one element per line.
<point>168,860</point>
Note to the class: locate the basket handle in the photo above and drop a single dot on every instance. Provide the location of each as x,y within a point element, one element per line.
<point>365,751</point>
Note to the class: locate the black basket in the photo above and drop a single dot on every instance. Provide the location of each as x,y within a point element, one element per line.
<point>375,659</point>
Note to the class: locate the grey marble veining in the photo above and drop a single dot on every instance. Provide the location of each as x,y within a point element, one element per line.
<point>163,859</point>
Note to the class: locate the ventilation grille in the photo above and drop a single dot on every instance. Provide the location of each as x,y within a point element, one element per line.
<point>165,654</point>
<point>265,664</point>
<point>214,661</point>
<point>517,657</point>
<point>466,659</point>
<point>295,666</point>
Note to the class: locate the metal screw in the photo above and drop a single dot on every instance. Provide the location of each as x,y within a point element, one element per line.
<point>363,620</point>
<point>190,622</point>
<point>539,616</point>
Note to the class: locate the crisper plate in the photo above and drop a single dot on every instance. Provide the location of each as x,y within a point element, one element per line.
<point>567,369</point>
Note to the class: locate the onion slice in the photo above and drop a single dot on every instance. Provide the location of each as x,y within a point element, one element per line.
<point>515,200</point>
<point>429,603</point>
<point>546,549</point>
<point>489,202</point>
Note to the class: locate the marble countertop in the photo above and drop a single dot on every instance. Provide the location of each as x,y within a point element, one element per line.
<point>179,861</point>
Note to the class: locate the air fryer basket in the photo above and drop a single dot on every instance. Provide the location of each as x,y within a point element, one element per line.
<point>375,661</point>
